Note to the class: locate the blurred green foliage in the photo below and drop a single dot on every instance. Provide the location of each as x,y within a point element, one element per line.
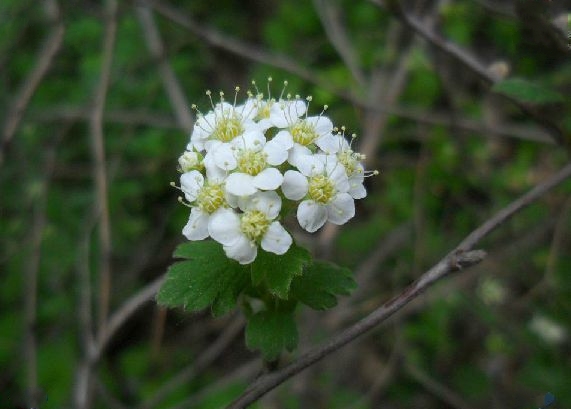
<point>475,339</point>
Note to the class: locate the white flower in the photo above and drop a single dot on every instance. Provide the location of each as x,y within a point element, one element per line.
<point>240,234</point>
<point>233,167</point>
<point>285,113</point>
<point>190,160</point>
<point>306,133</point>
<point>324,186</point>
<point>351,161</point>
<point>224,123</point>
<point>251,158</point>
<point>207,197</point>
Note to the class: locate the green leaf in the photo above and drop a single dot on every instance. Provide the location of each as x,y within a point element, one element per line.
<point>271,332</point>
<point>526,91</point>
<point>208,277</point>
<point>276,272</point>
<point>320,284</point>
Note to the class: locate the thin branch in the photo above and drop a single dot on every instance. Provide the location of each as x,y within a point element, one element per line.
<point>119,116</point>
<point>39,219</point>
<point>246,371</point>
<point>449,264</point>
<point>461,257</point>
<point>330,16</point>
<point>231,44</point>
<point>99,162</point>
<point>365,272</point>
<point>82,390</point>
<point>158,120</point>
<point>438,389</point>
<point>49,49</point>
<point>120,316</point>
<point>202,362</point>
<point>514,207</point>
<point>108,399</point>
<point>470,61</point>
<point>168,77</point>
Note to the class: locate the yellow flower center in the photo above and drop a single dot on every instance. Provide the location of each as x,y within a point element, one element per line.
<point>210,198</point>
<point>251,162</point>
<point>264,110</point>
<point>190,161</point>
<point>254,224</point>
<point>303,133</point>
<point>349,160</point>
<point>228,127</point>
<point>321,189</point>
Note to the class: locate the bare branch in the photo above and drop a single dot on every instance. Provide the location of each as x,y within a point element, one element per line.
<point>202,362</point>
<point>514,207</point>
<point>435,387</point>
<point>460,258</point>
<point>158,120</point>
<point>330,16</point>
<point>49,49</point>
<point>120,316</point>
<point>39,219</point>
<point>470,61</point>
<point>246,371</point>
<point>218,39</point>
<point>99,162</point>
<point>82,387</point>
<point>168,77</point>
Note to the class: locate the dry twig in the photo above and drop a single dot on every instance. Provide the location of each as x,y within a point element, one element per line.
<point>170,82</point>
<point>48,51</point>
<point>461,257</point>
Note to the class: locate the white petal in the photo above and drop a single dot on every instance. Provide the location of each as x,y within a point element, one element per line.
<point>322,124</point>
<point>268,179</point>
<point>240,184</point>
<point>278,147</point>
<point>311,216</point>
<point>295,185</point>
<point>249,109</point>
<point>276,240</point>
<point>224,158</point>
<point>191,183</point>
<point>300,157</point>
<point>341,209</point>
<point>339,178</point>
<point>329,143</point>
<point>214,174</point>
<point>224,226</point>
<point>356,188</point>
<point>197,226</point>
<point>242,250</point>
<point>357,191</point>
<point>254,140</point>
<point>268,203</point>
<point>286,113</point>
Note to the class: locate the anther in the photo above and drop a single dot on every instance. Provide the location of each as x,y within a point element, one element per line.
<point>182,202</point>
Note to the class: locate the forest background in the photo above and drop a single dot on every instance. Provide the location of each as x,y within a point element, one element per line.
<point>460,104</point>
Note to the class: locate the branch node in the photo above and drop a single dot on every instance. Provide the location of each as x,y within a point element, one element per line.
<point>460,259</point>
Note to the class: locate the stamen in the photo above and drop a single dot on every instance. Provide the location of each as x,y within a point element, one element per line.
<point>237,89</point>
<point>183,202</point>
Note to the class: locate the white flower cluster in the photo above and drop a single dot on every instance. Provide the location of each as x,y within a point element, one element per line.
<point>244,163</point>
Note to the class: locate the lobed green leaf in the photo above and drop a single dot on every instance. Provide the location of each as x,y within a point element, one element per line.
<point>206,278</point>
<point>276,272</point>
<point>271,332</point>
<point>321,283</point>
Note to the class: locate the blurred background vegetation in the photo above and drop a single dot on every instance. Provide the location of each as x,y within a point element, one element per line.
<point>96,110</point>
